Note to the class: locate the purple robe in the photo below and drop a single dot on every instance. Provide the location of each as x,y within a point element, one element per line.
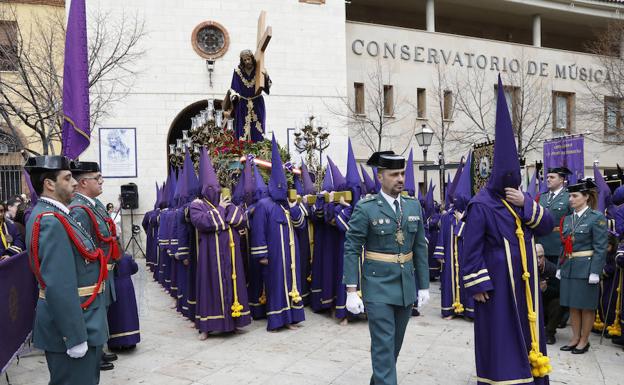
<point>492,264</point>
<point>249,110</point>
<point>185,271</point>
<point>123,317</point>
<point>317,221</point>
<point>342,215</point>
<point>305,234</point>
<point>217,279</point>
<point>432,230</point>
<point>151,245</point>
<point>608,295</point>
<point>447,250</point>
<point>273,237</point>
<point>155,226</point>
<point>255,289</point>
<point>164,243</point>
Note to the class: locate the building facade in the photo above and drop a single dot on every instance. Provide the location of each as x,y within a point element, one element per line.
<point>427,59</point>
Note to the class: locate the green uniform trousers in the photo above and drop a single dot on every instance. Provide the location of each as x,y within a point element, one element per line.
<point>65,370</point>
<point>386,324</point>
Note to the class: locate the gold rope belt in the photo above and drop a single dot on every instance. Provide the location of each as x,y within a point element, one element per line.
<point>392,258</point>
<point>586,253</point>
<point>82,291</point>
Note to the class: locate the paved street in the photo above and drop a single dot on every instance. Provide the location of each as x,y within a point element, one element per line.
<point>435,351</point>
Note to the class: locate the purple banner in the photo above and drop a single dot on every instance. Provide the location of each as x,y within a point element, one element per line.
<point>566,152</point>
<point>76,133</point>
<point>18,298</point>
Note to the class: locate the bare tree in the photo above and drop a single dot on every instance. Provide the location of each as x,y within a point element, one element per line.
<point>605,101</point>
<point>375,119</point>
<point>31,93</point>
<point>529,101</point>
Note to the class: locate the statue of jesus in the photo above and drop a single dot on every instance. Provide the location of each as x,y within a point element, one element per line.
<point>242,101</point>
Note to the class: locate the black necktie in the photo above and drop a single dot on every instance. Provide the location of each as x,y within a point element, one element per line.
<point>397,210</point>
<point>550,197</point>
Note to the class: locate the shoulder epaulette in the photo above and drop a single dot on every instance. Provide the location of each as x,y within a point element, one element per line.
<point>370,198</point>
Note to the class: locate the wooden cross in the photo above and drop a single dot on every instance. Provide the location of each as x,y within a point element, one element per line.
<point>263,38</point>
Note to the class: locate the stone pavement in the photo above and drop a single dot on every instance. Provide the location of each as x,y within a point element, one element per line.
<point>435,351</point>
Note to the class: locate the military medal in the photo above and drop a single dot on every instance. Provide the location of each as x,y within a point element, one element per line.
<point>400,238</point>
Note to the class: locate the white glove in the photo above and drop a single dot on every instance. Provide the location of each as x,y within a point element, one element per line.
<point>78,351</point>
<point>558,274</point>
<point>354,303</point>
<point>423,297</point>
<point>594,279</point>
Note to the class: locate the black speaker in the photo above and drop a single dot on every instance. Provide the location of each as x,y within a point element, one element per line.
<point>129,196</point>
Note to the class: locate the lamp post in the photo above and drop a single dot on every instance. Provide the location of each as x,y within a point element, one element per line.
<point>424,138</point>
<point>442,167</point>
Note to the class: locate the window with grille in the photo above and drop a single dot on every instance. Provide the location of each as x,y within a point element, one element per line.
<point>8,45</point>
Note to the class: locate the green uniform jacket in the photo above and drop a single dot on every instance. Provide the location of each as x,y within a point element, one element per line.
<point>85,221</point>
<point>590,234</point>
<point>60,322</point>
<point>558,208</point>
<point>373,226</point>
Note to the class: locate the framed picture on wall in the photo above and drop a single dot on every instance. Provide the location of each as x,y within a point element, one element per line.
<point>118,154</point>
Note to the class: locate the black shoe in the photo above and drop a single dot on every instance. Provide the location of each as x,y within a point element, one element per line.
<point>106,365</point>
<point>567,348</point>
<point>581,351</point>
<point>618,340</point>
<point>109,357</point>
<point>550,340</point>
<point>415,312</point>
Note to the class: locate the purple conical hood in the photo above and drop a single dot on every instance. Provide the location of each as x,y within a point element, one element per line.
<point>260,188</point>
<point>328,184</point>
<point>506,169</point>
<point>171,188</point>
<point>180,189</point>
<point>369,184</point>
<point>354,183</point>
<point>210,188</point>
<point>429,205</point>
<point>157,202</point>
<point>308,185</point>
<point>239,190</point>
<point>604,192</point>
<point>192,183</point>
<point>162,199</point>
<point>33,194</point>
<point>278,187</point>
<point>297,184</point>
<point>377,182</point>
<point>338,180</point>
<point>532,187</point>
<point>410,182</point>
<point>463,188</point>
<point>248,182</point>
<point>456,178</point>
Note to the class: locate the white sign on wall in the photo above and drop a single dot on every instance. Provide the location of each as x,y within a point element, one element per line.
<point>118,156</point>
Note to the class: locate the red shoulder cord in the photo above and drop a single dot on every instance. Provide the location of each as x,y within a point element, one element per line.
<point>568,245</point>
<point>91,256</point>
<point>113,249</point>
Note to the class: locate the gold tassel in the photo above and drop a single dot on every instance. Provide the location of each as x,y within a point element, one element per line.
<point>236,306</point>
<point>457,305</point>
<point>294,293</point>
<point>615,329</point>
<point>540,363</point>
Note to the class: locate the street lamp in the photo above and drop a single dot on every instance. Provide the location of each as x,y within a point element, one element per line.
<point>424,138</point>
<point>442,167</point>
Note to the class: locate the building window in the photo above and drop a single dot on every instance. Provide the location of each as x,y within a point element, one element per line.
<point>359,98</point>
<point>448,105</point>
<point>388,100</point>
<point>421,103</point>
<point>563,111</point>
<point>8,45</point>
<point>512,97</point>
<point>613,115</point>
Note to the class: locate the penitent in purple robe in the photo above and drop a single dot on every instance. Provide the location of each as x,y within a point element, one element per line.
<point>317,221</point>
<point>448,249</point>
<point>164,244</point>
<point>305,239</point>
<point>186,263</point>
<point>218,257</point>
<point>273,237</point>
<point>123,317</point>
<point>249,110</point>
<point>492,263</point>
<point>151,240</point>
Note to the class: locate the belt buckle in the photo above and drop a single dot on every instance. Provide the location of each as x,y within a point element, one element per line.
<point>398,258</point>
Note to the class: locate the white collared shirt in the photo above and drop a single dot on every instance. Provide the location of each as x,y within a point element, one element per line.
<point>56,204</point>
<point>90,200</point>
<point>391,200</point>
<point>580,213</point>
<point>556,192</point>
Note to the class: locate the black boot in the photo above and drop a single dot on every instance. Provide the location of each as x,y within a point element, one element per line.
<point>106,365</point>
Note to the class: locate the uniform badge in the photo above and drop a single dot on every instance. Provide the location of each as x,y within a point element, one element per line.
<point>374,222</point>
<point>387,221</point>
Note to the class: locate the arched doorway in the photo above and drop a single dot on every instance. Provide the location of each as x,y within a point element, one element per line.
<point>182,121</point>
